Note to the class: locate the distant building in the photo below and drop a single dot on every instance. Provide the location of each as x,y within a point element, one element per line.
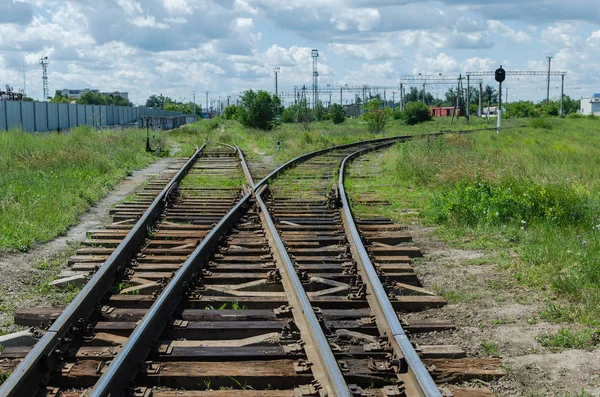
<point>124,95</point>
<point>445,111</point>
<point>69,93</point>
<point>76,93</point>
<point>590,105</point>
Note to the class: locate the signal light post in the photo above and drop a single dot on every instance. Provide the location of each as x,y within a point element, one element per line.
<point>500,76</point>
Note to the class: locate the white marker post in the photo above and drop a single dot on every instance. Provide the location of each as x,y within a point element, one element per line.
<point>499,125</point>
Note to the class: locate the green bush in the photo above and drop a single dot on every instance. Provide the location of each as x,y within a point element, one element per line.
<point>259,110</point>
<point>376,116</point>
<point>338,113</point>
<point>231,112</point>
<point>416,112</point>
<point>509,201</point>
<point>575,116</point>
<point>521,109</point>
<point>541,123</point>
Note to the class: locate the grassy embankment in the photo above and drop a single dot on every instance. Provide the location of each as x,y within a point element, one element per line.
<point>48,180</point>
<point>294,140</point>
<point>529,197</point>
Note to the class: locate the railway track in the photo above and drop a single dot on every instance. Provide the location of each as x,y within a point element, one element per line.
<point>208,284</point>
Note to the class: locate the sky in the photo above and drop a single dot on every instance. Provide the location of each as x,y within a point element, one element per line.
<point>176,47</point>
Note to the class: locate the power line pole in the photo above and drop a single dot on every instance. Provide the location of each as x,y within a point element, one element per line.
<point>194,97</point>
<point>480,98</point>
<point>44,64</point>
<point>207,108</point>
<point>315,57</point>
<point>562,93</point>
<point>276,70</point>
<point>549,57</point>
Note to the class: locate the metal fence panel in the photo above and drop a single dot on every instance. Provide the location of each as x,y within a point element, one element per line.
<point>52,116</point>
<point>63,116</point>
<point>89,115</point>
<point>27,116</point>
<point>41,116</point>
<point>46,116</point>
<point>81,116</point>
<point>3,116</point>
<point>103,115</point>
<point>109,115</point>
<point>13,114</point>
<point>72,115</point>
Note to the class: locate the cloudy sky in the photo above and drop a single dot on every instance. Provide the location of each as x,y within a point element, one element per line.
<point>174,47</point>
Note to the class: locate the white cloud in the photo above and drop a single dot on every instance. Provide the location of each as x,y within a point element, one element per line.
<point>511,35</point>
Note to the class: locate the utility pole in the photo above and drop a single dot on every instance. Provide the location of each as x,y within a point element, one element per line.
<point>44,64</point>
<point>194,96</point>
<point>207,108</point>
<point>341,103</point>
<point>276,70</point>
<point>562,93</point>
<point>467,110</point>
<point>401,97</point>
<point>423,92</point>
<point>549,57</point>
<point>315,57</point>
<point>479,112</point>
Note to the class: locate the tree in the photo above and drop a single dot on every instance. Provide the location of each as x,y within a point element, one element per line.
<point>416,112</point>
<point>376,116</point>
<point>570,105</point>
<point>157,101</point>
<point>490,95</point>
<point>319,111</point>
<point>231,112</point>
<point>289,114</point>
<point>338,113</point>
<point>259,110</point>
<point>521,109</point>
<point>59,98</point>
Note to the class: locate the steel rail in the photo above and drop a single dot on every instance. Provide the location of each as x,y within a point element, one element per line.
<point>46,353</point>
<point>28,375</point>
<point>126,364</point>
<point>333,372</point>
<point>402,343</point>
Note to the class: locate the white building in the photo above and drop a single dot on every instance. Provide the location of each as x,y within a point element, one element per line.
<point>76,93</point>
<point>590,105</point>
<point>69,93</point>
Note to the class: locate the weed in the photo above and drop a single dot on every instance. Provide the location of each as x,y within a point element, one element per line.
<point>4,377</point>
<point>244,386</point>
<point>569,339</point>
<point>491,349</point>
<point>503,320</point>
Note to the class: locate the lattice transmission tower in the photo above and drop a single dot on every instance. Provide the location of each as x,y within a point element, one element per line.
<point>44,64</point>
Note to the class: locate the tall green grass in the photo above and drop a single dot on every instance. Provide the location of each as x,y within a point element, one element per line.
<point>294,140</point>
<point>533,191</point>
<point>48,180</point>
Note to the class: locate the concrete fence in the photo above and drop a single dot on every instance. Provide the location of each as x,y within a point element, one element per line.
<point>46,116</point>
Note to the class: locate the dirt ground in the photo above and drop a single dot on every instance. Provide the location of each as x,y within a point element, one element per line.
<point>16,269</point>
<point>489,309</point>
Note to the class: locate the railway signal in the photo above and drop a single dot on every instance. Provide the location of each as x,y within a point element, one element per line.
<point>500,75</point>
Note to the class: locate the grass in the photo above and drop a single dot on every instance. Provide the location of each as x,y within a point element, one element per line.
<point>294,140</point>
<point>586,339</point>
<point>48,180</point>
<point>491,349</point>
<point>530,196</point>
